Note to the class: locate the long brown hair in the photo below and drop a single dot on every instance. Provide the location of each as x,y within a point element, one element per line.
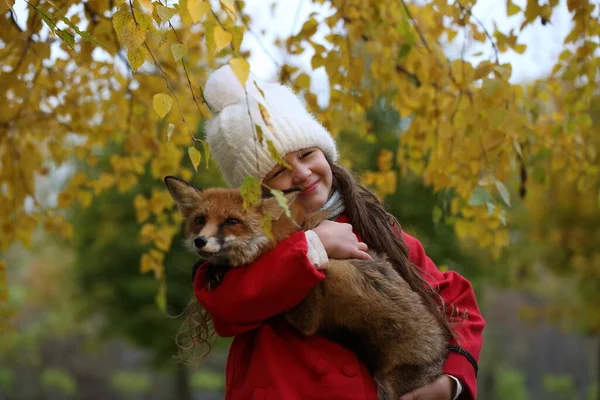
<point>375,226</point>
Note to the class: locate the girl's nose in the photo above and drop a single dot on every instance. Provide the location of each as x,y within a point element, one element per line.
<point>301,173</point>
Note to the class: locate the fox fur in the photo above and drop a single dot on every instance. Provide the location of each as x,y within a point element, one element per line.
<point>362,304</point>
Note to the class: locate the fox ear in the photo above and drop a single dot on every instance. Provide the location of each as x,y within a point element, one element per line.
<point>186,196</point>
<point>271,205</point>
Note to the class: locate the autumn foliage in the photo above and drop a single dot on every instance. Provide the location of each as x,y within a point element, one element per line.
<point>124,78</point>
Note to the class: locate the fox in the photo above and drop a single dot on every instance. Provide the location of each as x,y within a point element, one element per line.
<point>364,305</point>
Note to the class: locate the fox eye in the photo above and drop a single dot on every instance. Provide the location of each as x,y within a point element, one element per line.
<point>200,220</point>
<point>232,221</point>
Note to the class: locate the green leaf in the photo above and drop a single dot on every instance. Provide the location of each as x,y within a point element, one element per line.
<point>437,215</point>
<point>66,37</point>
<point>404,50</point>
<point>503,192</point>
<point>275,156</point>
<point>84,35</point>
<point>206,152</point>
<point>161,297</point>
<point>46,17</point>
<point>480,197</point>
<point>490,207</point>
<point>280,197</point>
<point>178,50</point>
<point>251,192</point>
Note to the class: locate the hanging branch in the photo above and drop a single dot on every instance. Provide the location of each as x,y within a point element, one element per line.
<point>470,13</point>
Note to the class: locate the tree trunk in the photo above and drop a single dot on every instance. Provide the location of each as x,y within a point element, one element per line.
<point>182,383</point>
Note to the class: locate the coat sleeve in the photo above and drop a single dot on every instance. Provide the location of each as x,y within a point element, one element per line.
<point>458,292</point>
<point>250,294</point>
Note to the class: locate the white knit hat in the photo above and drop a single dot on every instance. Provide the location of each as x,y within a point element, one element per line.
<point>231,134</point>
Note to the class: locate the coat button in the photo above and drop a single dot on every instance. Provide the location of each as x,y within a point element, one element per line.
<point>350,369</point>
<point>320,368</point>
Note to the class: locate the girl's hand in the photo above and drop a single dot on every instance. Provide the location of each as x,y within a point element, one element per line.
<point>442,388</point>
<point>340,242</point>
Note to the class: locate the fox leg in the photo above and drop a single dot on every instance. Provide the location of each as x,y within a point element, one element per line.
<point>308,315</point>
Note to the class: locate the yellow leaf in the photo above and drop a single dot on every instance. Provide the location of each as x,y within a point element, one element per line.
<point>222,38</point>
<point>451,34</point>
<point>146,22</point>
<point>259,89</point>
<point>251,192</point>
<point>120,20</point>
<point>178,50</point>
<point>147,5</point>
<point>162,103</point>
<point>275,156</point>
<point>198,9</point>
<point>137,57</point>
<point>259,133</point>
<point>238,37</point>
<point>282,200</point>
<point>512,8</point>
<point>85,198</point>
<point>165,13</point>
<point>65,199</point>
<point>241,69</point>
<point>133,36</point>
<point>142,212</point>
<point>229,8</point>
<point>265,224</point>
<point>303,81</point>
<point>264,113</point>
<point>195,157</point>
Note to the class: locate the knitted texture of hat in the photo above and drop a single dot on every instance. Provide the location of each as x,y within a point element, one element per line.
<point>231,133</point>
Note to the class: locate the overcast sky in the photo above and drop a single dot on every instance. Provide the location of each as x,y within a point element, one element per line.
<point>544,43</point>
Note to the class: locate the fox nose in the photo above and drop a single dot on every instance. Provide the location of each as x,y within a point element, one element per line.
<point>200,242</point>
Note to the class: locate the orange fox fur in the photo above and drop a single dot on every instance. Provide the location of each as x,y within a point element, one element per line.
<point>364,305</point>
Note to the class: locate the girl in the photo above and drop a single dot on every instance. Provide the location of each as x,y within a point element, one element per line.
<point>268,359</point>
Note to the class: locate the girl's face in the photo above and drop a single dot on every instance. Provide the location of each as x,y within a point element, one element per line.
<point>311,173</point>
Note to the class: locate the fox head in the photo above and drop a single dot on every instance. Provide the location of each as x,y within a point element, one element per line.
<point>219,229</point>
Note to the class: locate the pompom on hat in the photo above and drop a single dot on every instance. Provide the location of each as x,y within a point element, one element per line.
<point>231,135</point>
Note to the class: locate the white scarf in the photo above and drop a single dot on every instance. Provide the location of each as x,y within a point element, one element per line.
<point>334,205</point>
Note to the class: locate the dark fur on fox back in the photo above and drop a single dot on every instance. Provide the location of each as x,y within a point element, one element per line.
<point>367,307</point>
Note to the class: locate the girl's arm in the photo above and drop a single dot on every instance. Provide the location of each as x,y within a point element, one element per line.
<point>248,295</point>
<point>457,291</point>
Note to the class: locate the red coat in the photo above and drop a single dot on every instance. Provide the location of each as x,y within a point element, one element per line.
<point>270,360</point>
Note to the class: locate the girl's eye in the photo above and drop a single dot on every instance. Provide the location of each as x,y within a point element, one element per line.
<point>200,220</point>
<point>308,153</point>
<point>232,221</point>
<point>275,174</point>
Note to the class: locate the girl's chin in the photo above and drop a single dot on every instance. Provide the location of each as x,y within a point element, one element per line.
<point>313,204</point>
